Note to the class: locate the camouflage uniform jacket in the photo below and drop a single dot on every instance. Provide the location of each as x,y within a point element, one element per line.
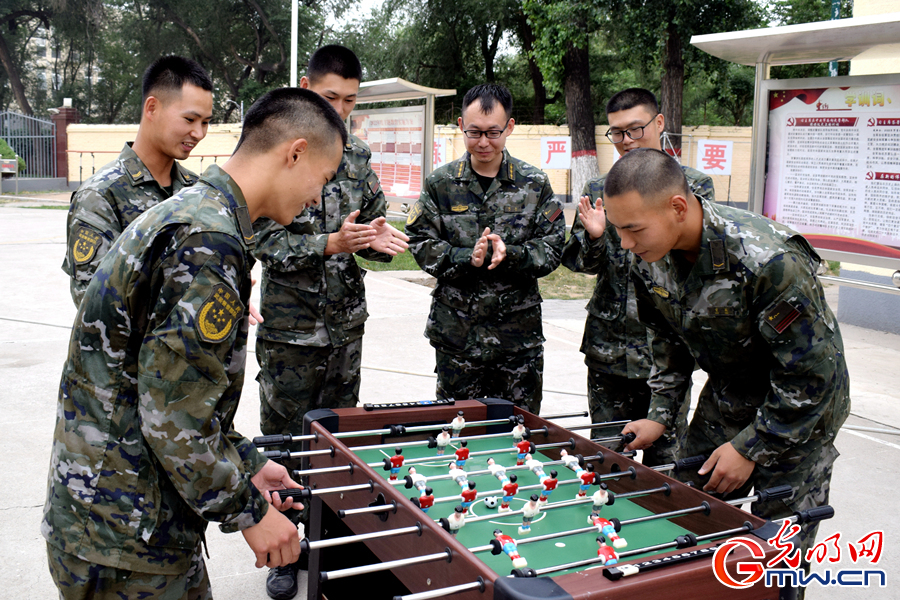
<point>308,298</point>
<point>753,315</point>
<point>104,206</point>
<point>615,342</point>
<point>144,452</point>
<point>476,312</point>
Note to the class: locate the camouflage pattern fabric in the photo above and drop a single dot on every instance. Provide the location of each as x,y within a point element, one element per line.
<point>617,398</point>
<point>144,453</point>
<point>615,343</point>
<point>307,298</point>
<point>752,314</point>
<point>104,206</point>
<point>477,314</point>
<point>517,377</point>
<point>81,580</point>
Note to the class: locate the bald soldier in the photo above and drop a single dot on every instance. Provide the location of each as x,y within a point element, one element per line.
<point>738,294</point>
<point>175,114</point>
<point>144,452</point>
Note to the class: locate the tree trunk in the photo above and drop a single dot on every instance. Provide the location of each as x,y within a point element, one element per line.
<point>580,116</point>
<point>15,81</point>
<point>526,34</point>
<point>673,88</point>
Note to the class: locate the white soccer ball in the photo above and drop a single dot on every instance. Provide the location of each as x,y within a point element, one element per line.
<point>491,501</point>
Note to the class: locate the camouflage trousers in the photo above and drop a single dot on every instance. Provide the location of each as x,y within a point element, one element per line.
<point>80,580</point>
<point>296,379</point>
<point>517,377</point>
<point>807,469</point>
<point>618,398</point>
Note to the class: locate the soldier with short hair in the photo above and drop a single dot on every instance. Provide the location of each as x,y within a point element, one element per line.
<point>738,294</point>
<point>312,295</point>
<point>615,342</point>
<point>176,109</point>
<point>487,226</point>
<point>144,451</point>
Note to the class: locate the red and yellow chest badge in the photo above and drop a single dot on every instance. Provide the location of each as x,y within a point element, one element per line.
<point>85,245</point>
<point>219,313</point>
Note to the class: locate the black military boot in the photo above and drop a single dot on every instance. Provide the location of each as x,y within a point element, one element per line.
<point>281,584</point>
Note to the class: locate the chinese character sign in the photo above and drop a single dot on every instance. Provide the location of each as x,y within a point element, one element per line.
<point>714,157</point>
<point>440,152</point>
<point>556,152</point>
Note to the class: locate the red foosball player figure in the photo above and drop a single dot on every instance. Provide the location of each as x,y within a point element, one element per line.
<point>462,454</point>
<point>606,552</point>
<point>587,479</point>
<point>443,439</point>
<point>549,484</point>
<point>609,530</point>
<point>396,463</point>
<point>504,543</point>
<point>457,424</point>
<point>518,432</point>
<point>468,496</point>
<point>523,448</point>
<point>426,500</point>
<point>456,520</point>
<point>601,499</point>
<point>529,512</point>
<point>509,490</point>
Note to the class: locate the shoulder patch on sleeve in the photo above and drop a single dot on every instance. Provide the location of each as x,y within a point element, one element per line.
<point>781,316</point>
<point>553,211</point>
<point>218,314</point>
<point>85,244</point>
<point>414,213</point>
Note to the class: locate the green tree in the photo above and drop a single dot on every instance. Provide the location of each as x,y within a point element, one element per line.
<point>658,32</point>
<point>19,19</point>
<point>794,12</point>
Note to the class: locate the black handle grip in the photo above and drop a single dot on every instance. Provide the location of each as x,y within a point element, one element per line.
<point>296,494</point>
<point>277,454</point>
<point>628,438</point>
<point>819,513</point>
<point>271,440</point>
<point>691,463</point>
<point>776,493</point>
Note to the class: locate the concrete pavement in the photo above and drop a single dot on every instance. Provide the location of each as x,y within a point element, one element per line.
<point>35,318</point>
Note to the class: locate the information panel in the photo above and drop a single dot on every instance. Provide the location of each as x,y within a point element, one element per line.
<point>395,136</point>
<point>834,166</point>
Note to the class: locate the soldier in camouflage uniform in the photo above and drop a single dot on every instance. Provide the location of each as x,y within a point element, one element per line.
<point>487,226</point>
<point>738,294</point>
<point>176,110</point>
<point>615,345</point>
<point>313,301</point>
<point>144,451</point>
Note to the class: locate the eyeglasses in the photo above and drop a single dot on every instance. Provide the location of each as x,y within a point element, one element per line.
<point>491,134</point>
<point>634,133</point>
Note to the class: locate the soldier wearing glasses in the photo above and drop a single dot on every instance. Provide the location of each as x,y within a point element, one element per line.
<point>487,226</point>
<point>615,343</point>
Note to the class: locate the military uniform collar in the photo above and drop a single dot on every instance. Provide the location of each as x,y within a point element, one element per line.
<point>465,172</point>
<point>216,177</point>
<point>139,173</point>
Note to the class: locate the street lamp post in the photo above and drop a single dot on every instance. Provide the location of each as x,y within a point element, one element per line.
<point>240,106</point>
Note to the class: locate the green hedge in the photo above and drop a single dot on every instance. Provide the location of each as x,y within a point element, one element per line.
<point>7,152</point>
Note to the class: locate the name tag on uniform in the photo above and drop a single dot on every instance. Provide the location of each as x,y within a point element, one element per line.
<point>460,208</point>
<point>721,311</point>
<point>512,209</point>
<point>661,291</point>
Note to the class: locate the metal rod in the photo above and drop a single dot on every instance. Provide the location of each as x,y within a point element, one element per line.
<point>447,591</point>
<point>486,436</point>
<point>343,488</point>
<point>352,539</point>
<point>302,472</point>
<point>593,425</point>
<point>385,566</point>
<point>368,510</point>
<point>666,515</point>
<point>452,457</point>
<point>871,429</point>
<point>865,285</point>
<point>583,413</point>
<point>487,471</point>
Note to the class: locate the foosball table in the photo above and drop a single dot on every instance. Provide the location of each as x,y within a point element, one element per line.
<point>389,518</point>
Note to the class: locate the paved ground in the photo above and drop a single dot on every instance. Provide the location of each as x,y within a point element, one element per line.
<point>36,314</point>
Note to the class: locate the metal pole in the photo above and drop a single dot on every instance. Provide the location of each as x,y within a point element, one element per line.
<point>294,21</point>
<point>758,137</point>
